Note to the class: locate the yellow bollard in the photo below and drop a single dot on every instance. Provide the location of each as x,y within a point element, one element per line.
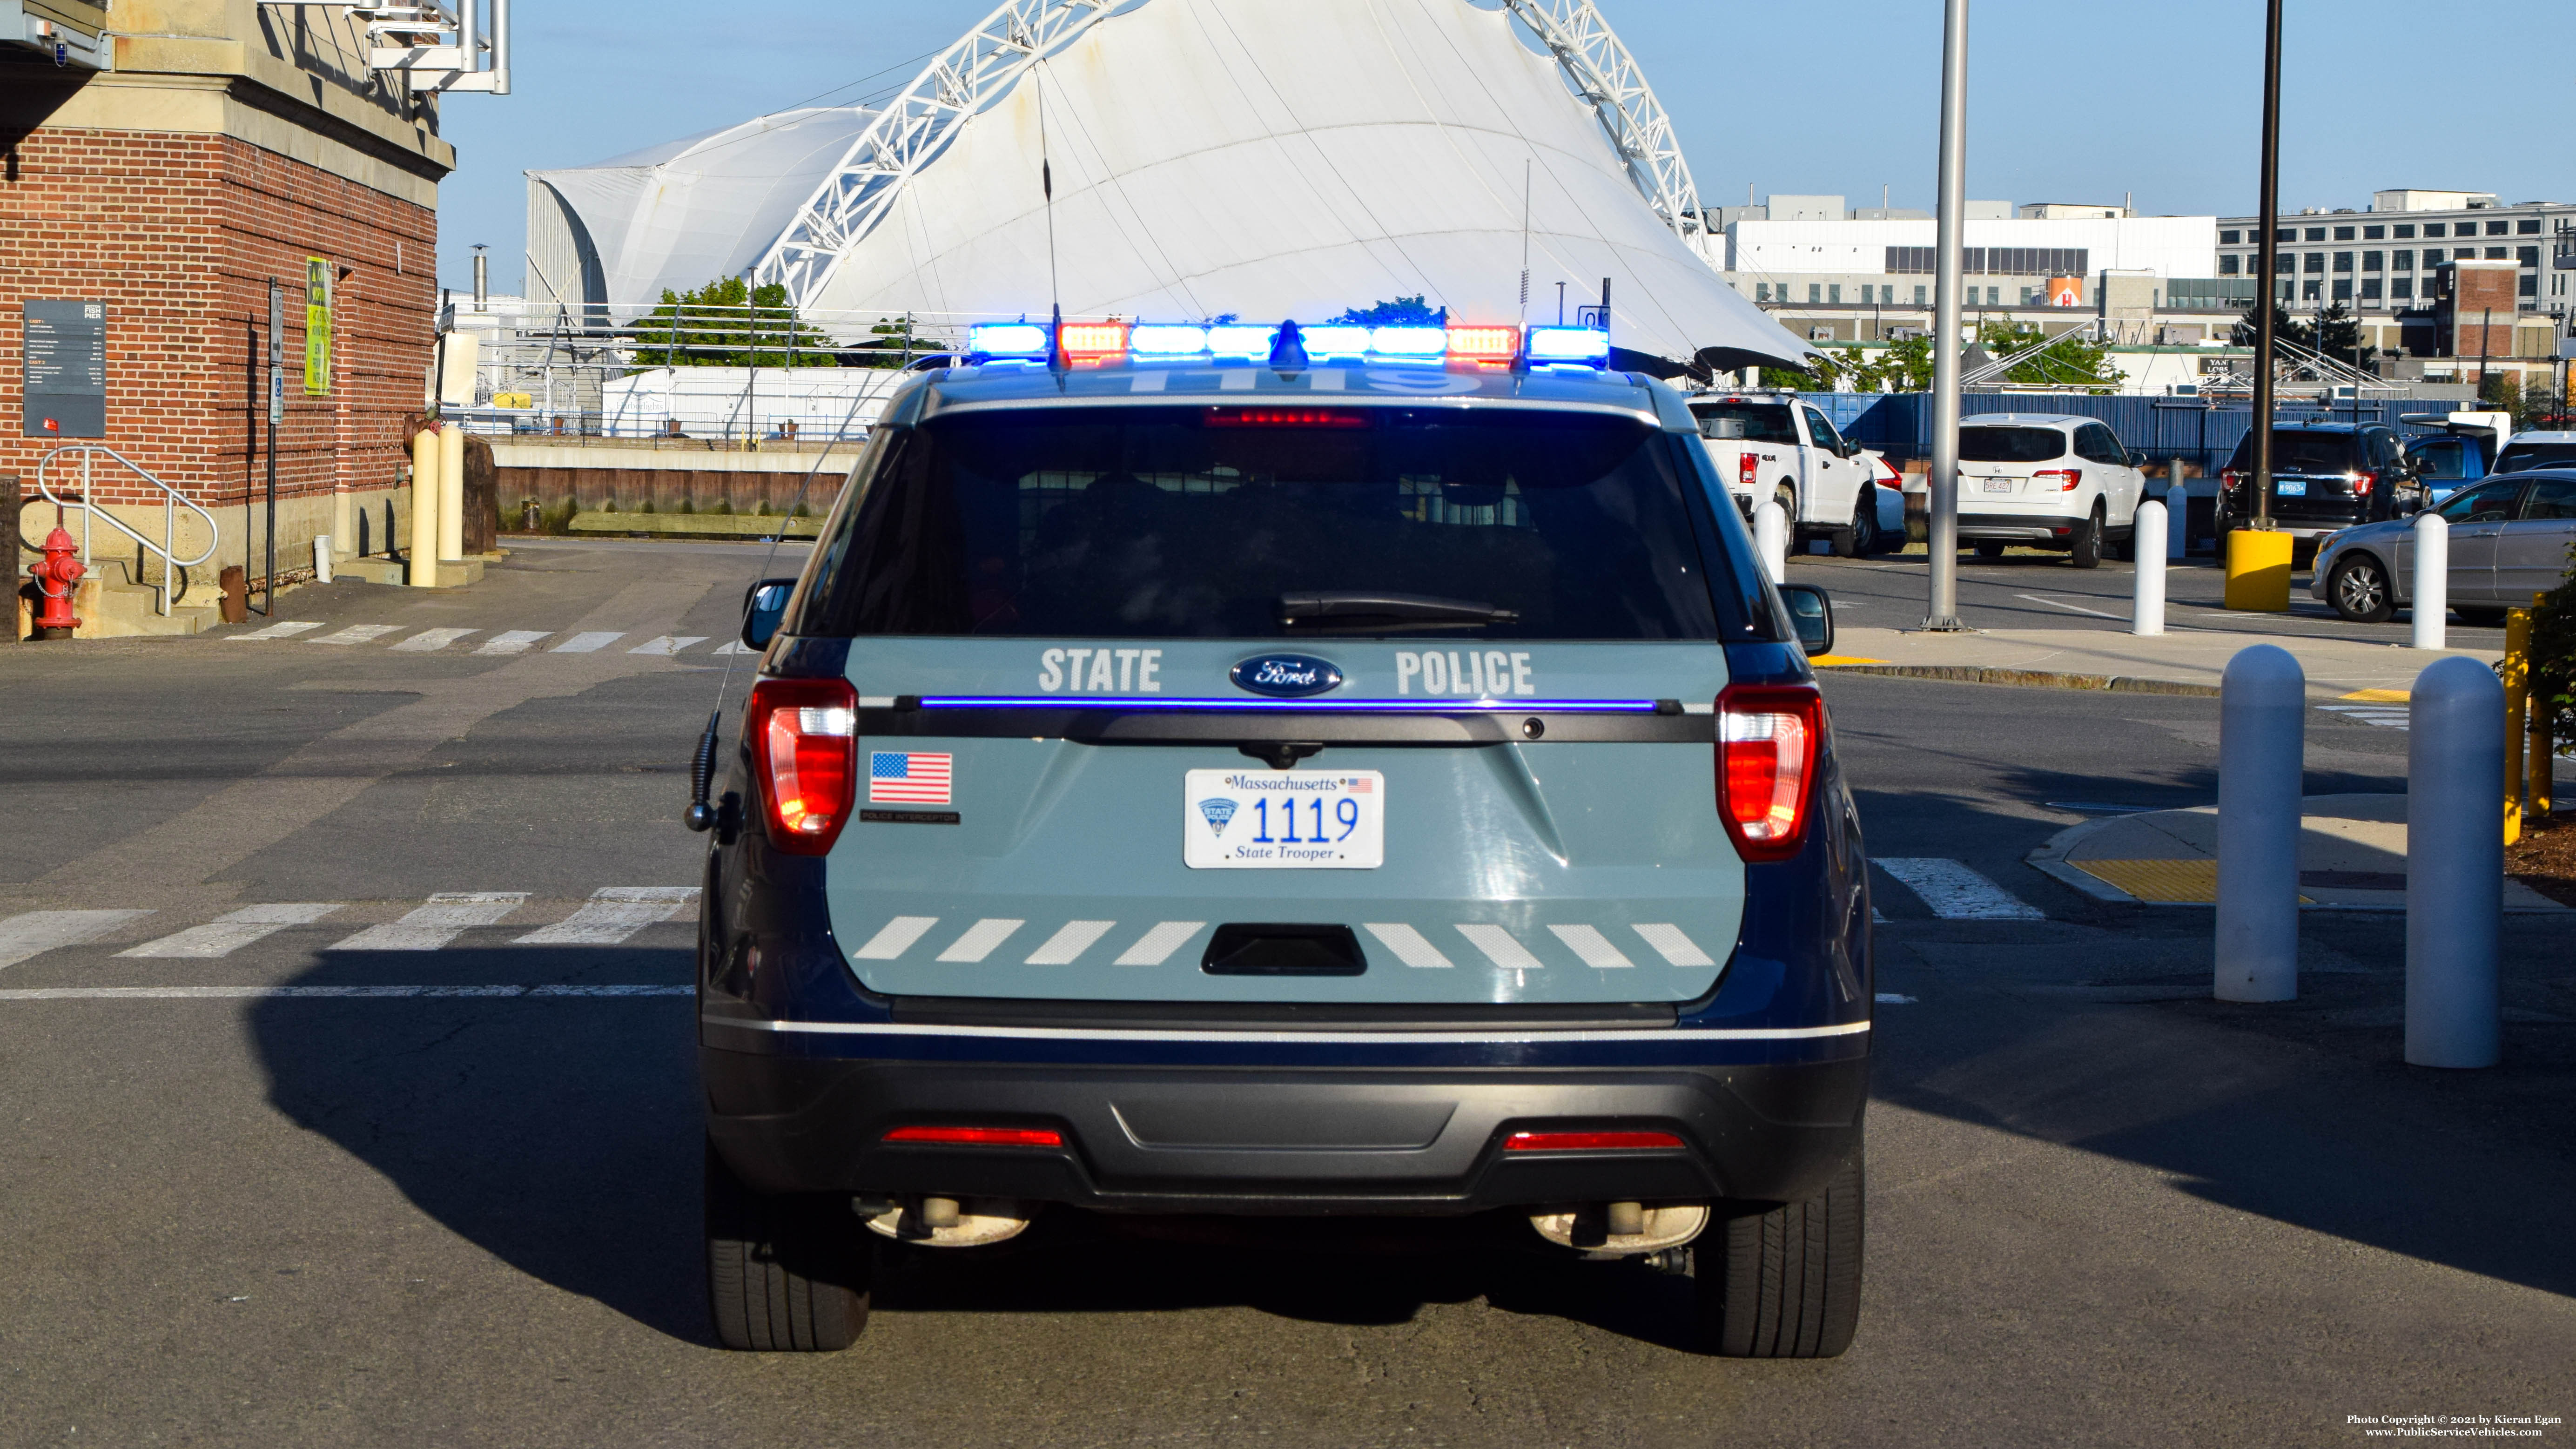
<point>2544,744</point>
<point>423,572</point>
<point>2258,571</point>
<point>451,492</point>
<point>2516,673</point>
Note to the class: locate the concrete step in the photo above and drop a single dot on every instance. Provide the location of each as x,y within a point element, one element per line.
<point>110,610</point>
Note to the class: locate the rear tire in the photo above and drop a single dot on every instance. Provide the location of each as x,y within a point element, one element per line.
<point>2086,551</point>
<point>784,1274</point>
<point>2358,589</point>
<point>1993,549</point>
<point>2482,616</point>
<point>1862,537</point>
<point>1785,1283</point>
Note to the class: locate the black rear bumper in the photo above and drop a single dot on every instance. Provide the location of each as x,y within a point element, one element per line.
<point>1269,1141</point>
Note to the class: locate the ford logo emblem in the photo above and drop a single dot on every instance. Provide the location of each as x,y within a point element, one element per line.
<point>1286,676</point>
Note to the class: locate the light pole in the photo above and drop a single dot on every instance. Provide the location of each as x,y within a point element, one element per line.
<point>1943,614</point>
<point>2266,261</point>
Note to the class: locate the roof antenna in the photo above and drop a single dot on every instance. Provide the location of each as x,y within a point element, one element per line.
<point>1525,240</point>
<point>1057,362</point>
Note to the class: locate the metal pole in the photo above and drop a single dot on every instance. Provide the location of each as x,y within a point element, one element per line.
<point>2261,704</point>
<point>1943,614</point>
<point>2266,261</point>
<point>2454,865</point>
<point>276,407</point>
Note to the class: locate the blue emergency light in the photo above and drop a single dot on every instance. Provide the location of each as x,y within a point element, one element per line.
<point>1587,346</point>
<point>1008,340</point>
<point>1396,342</point>
<point>1156,339</point>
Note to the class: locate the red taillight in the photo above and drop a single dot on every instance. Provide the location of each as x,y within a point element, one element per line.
<point>1744,469</point>
<point>1586,1141</point>
<point>2066,478</point>
<point>804,736</point>
<point>1766,762</point>
<point>2363,482</point>
<point>2231,477</point>
<point>1286,418</point>
<point>980,1136</point>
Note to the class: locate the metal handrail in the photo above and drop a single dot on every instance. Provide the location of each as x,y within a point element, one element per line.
<point>167,547</point>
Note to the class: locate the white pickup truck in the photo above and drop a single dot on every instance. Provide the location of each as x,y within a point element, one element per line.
<point>1773,446</point>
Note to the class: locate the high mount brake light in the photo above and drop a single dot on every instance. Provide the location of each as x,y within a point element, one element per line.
<point>804,759</point>
<point>1587,1141</point>
<point>979,1136</point>
<point>2067,477</point>
<point>1286,418</point>
<point>1485,344</point>
<point>1094,339</point>
<point>1767,737</point>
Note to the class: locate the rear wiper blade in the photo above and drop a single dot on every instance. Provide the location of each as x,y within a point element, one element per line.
<point>1360,609</point>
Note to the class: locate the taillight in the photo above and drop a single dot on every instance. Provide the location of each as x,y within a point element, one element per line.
<point>979,1136</point>
<point>2363,482</point>
<point>2066,478</point>
<point>1766,760</point>
<point>804,736</point>
<point>2230,477</point>
<point>1587,1141</point>
<point>1744,469</point>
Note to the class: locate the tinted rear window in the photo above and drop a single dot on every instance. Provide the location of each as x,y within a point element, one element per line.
<point>2299,452</point>
<point>1746,422</point>
<point>2521,457</point>
<point>1197,522</point>
<point>2010,445</point>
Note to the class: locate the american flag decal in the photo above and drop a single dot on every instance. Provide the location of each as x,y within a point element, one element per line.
<point>902,777</point>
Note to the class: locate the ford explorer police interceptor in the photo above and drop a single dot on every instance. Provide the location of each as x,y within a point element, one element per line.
<point>1276,771</point>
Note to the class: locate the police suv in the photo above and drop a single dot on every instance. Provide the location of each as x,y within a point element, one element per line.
<point>1274,772</point>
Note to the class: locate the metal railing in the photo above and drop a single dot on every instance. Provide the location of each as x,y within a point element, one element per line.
<point>173,568</point>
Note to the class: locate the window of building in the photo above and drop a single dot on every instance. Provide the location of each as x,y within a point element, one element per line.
<point>2497,254</point>
<point>1922,296</point>
<point>2316,233</point>
<point>2434,228</point>
<point>2228,238</point>
<point>1762,291</point>
<point>2374,233</point>
<point>2499,228</point>
<point>2343,289</point>
<point>2370,289</point>
<point>2530,287</point>
<point>2308,290</point>
<point>1815,291</point>
<point>2401,261</point>
<point>2401,287</point>
<point>2528,256</point>
<point>2227,264</point>
<point>2432,256</point>
<point>2528,228</point>
<point>2343,233</point>
<point>2284,263</point>
<point>2405,229</point>
<point>2370,261</point>
<point>1834,294</point>
<point>2343,261</point>
<point>1994,296</point>
<point>2316,261</point>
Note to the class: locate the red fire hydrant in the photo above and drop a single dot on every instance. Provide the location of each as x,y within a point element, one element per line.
<point>60,572</point>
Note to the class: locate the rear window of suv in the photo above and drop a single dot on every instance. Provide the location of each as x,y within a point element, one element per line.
<point>2522,457</point>
<point>1746,422</point>
<point>2010,445</point>
<point>2294,451</point>
<point>1180,522</point>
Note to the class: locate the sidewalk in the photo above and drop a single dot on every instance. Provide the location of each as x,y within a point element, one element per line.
<point>2186,661</point>
<point>2352,856</point>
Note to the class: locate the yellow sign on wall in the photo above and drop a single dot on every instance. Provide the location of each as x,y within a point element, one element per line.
<point>317,326</point>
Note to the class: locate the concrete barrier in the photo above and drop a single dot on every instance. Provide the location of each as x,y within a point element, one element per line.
<point>2454,865</point>
<point>2262,710</point>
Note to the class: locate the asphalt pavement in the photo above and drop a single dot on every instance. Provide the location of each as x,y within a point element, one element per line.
<point>335,1163</point>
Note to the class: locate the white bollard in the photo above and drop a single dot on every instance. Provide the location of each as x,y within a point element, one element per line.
<point>2261,711</point>
<point>2147,608</point>
<point>2178,510</point>
<point>1771,536</point>
<point>321,558</point>
<point>451,492</point>
<point>2454,865</point>
<point>2432,594</point>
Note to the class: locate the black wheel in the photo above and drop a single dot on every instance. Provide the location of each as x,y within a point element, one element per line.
<point>1862,537</point>
<point>2481,615</point>
<point>1784,1283</point>
<point>784,1274</point>
<point>1990,548</point>
<point>2086,550</point>
<point>2358,589</point>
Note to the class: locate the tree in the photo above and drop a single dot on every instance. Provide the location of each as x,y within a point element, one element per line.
<point>2284,326</point>
<point>2069,361</point>
<point>1400,312</point>
<point>1900,367</point>
<point>2338,336</point>
<point>728,323</point>
<point>892,341</point>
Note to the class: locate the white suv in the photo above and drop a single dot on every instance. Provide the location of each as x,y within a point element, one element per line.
<point>2047,480</point>
<point>1773,447</point>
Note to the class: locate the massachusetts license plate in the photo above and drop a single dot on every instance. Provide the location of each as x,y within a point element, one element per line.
<point>1258,819</point>
<point>1999,485</point>
<point>2290,487</point>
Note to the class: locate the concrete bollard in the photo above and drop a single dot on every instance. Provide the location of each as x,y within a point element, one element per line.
<point>2147,610</point>
<point>1771,536</point>
<point>321,558</point>
<point>451,492</point>
<point>2261,712</point>
<point>2177,511</point>
<point>421,570</point>
<point>2432,592</point>
<point>2454,865</point>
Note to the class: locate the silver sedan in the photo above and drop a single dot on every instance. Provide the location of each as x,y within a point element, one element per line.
<point>2510,536</point>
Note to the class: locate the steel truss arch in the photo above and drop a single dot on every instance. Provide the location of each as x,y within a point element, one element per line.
<point>971,75</point>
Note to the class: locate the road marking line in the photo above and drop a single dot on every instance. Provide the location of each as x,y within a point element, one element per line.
<point>895,938</point>
<point>1592,946</point>
<point>1074,938</point>
<point>1501,947</point>
<point>733,646</point>
<point>233,930</point>
<point>512,641</point>
<point>37,932</point>
<point>1159,943</point>
<point>668,644</point>
<point>1408,944</point>
<point>2078,608</point>
<point>430,641</point>
<point>612,914</point>
<point>358,634</point>
<point>1676,948</point>
<point>1955,892</point>
<point>263,993</point>
<point>588,643</point>
<point>287,630</point>
<point>979,939</point>
<point>2380,696</point>
<point>448,915</point>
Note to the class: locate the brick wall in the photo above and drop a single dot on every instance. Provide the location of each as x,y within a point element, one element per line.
<point>179,234</point>
<point>2482,297</point>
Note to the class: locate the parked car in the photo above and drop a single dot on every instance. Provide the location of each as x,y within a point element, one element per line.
<point>2509,540</point>
<point>2537,450</point>
<point>2446,464</point>
<point>2047,480</point>
<point>1774,447</point>
<point>2325,477</point>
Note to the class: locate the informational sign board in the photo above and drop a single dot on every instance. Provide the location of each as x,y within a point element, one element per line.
<point>2066,291</point>
<point>276,354</point>
<point>64,390</point>
<point>317,326</point>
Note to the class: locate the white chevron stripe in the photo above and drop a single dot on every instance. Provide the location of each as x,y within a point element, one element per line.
<point>980,939</point>
<point>1070,942</point>
<point>1408,944</point>
<point>896,938</point>
<point>1591,945</point>
<point>1669,942</point>
<point>1501,947</point>
<point>1153,947</point>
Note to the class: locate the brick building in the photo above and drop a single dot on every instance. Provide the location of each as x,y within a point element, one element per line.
<point>230,143</point>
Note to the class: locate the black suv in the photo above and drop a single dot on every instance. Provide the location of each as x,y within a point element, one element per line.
<point>2325,476</point>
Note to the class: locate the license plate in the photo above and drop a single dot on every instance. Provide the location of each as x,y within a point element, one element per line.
<point>1999,485</point>
<point>1283,820</point>
<point>2289,488</point>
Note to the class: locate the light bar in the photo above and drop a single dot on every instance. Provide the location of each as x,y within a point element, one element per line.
<point>1234,340</point>
<point>1407,341</point>
<point>1094,339</point>
<point>1007,339</point>
<point>1335,339</point>
<point>1485,344</point>
<point>1588,345</point>
<point>1155,339</point>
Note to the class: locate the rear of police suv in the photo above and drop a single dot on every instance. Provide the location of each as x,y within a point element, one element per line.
<point>1371,787</point>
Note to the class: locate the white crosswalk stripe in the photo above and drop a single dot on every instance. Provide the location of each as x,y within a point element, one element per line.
<point>589,643</point>
<point>1955,892</point>
<point>1068,943</point>
<point>1409,945</point>
<point>1157,945</point>
<point>512,641</point>
<point>612,914</point>
<point>430,641</point>
<point>233,930</point>
<point>358,634</point>
<point>733,646</point>
<point>979,940</point>
<point>448,915</point>
<point>2386,716</point>
<point>36,932</point>
<point>668,644</point>
<point>287,630</point>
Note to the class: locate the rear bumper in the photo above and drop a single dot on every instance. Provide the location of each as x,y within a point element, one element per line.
<point>1265,1141</point>
<point>2044,529</point>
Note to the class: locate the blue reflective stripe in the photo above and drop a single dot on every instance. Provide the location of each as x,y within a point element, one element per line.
<point>1294,706</point>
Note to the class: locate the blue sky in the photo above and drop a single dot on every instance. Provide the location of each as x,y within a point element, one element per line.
<point>2081,101</point>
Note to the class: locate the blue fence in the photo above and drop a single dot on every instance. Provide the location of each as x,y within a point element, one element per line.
<point>2202,434</point>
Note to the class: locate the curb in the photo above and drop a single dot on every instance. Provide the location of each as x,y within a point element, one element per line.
<point>2050,860</point>
<point>2029,678</point>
